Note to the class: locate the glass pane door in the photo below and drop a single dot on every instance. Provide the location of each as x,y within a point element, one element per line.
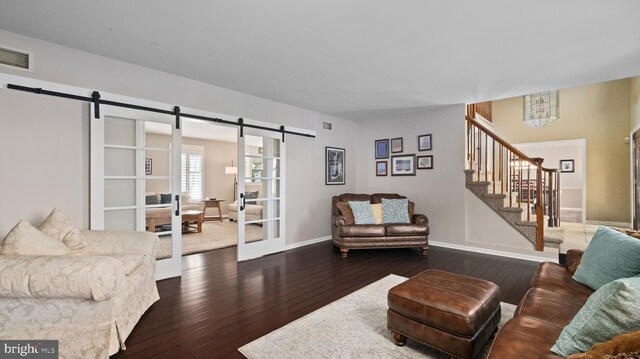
<point>135,184</point>
<point>261,157</point>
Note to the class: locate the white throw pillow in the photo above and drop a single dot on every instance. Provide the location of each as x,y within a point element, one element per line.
<point>60,227</point>
<point>26,240</point>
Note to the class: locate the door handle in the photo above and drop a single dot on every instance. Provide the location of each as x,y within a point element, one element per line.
<point>242,202</point>
<point>177,205</point>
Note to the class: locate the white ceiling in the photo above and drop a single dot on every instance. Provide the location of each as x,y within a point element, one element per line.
<point>346,56</point>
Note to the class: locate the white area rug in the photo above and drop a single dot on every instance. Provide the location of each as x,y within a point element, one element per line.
<point>354,326</point>
<point>214,235</point>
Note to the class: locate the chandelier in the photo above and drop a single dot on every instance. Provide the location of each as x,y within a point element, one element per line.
<point>541,108</point>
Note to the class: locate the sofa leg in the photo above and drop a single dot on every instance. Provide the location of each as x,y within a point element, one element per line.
<point>399,339</point>
<point>344,252</point>
<point>424,250</point>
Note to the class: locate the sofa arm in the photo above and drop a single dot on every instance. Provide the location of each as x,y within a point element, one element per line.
<point>339,220</point>
<point>572,257</point>
<point>101,243</point>
<point>83,277</point>
<point>419,219</point>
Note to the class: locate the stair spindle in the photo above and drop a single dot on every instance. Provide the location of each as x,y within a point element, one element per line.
<point>493,164</point>
<point>486,157</point>
<point>528,191</point>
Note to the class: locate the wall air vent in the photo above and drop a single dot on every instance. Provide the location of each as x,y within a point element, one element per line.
<point>327,126</point>
<point>15,58</point>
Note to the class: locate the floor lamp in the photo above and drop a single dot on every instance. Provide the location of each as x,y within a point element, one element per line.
<point>232,171</point>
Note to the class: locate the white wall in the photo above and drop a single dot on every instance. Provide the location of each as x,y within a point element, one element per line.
<point>43,159</point>
<point>307,211</point>
<point>438,193</point>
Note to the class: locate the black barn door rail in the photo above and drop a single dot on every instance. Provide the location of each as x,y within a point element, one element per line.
<point>96,101</point>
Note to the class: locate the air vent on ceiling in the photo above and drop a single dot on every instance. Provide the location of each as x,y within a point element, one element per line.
<point>15,58</point>
<point>327,126</point>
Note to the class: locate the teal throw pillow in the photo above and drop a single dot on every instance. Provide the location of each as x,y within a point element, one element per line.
<point>395,210</point>
<point>362,212</point>
<point>610,255</point>
<point>610,311</point>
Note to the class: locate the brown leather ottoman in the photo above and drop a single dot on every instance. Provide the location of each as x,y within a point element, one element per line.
<point>452,313</point>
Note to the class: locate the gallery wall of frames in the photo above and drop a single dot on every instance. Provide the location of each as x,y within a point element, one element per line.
<point>391,159</point>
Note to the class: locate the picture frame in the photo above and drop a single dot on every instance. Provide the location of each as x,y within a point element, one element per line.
<point>396,145</point>
<point>567,166</point>
<point>425,162</point>
<point>381,168</point>
<point>425,142</point>
<point>334,166</point>
<point>403,165</point>
<point>382,148</point>
<point>148,166</point>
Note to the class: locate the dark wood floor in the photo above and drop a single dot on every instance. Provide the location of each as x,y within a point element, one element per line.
<point>219,305</point>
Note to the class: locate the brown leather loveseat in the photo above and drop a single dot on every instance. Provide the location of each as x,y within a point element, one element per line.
<point>360,236</point>
<point>550,304</point>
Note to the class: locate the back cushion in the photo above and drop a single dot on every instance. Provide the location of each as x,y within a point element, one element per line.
<point>346,197</point>
<point>377,197</point>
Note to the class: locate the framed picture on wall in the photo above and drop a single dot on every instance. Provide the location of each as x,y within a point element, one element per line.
<point>567,166</point>
<point>148,167</point>
<point>382,148</point>
<point>403,165</point>
<point>381,168</point>
<point>396,145</point>
<point>334,166</point>
<point>425,162</point>
<point>424,142</point>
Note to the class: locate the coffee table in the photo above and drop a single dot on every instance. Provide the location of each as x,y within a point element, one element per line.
<point>188,219</point>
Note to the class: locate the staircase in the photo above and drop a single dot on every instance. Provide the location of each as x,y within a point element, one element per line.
<point>518,188</point>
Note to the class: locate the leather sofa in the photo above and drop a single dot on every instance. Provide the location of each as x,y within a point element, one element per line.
<point>361,236</point>
<point>550,304</point>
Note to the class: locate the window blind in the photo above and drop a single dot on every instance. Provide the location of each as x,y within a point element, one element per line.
<point>193,172</point>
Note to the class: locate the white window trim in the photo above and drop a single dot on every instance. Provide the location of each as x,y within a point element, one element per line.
<point>195,150</point>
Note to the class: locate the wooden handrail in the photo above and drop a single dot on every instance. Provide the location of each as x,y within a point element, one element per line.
<point>514,174</point>
<point>501,141</point>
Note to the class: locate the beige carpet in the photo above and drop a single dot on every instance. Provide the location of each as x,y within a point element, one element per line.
<point>354,326</point>
<point>214,235</point>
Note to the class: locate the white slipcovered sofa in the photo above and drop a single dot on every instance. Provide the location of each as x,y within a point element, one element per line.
<point>253,211</point>
<point>88,302</point>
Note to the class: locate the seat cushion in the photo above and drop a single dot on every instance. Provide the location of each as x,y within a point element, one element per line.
<point>362,230</point>
<point>524,338</point>
<point>553,308</point>
<point>129,261</point>
<point>249,209</point>
<point>454,303</point>
<point>406,229</point>
<point>557,279</point>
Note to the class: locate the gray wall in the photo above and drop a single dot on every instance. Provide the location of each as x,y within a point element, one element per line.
<point>438,192</point>
<point>44,159</point>
<point>67,141</point>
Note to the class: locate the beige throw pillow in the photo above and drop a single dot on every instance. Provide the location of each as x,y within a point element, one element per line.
<point>377,212</point>
<point>26,240</point>
<point>60,227</point>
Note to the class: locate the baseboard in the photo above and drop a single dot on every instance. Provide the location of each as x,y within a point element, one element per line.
<point>610,224</point>
<point>306,243</point>
<point>526,257</point>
